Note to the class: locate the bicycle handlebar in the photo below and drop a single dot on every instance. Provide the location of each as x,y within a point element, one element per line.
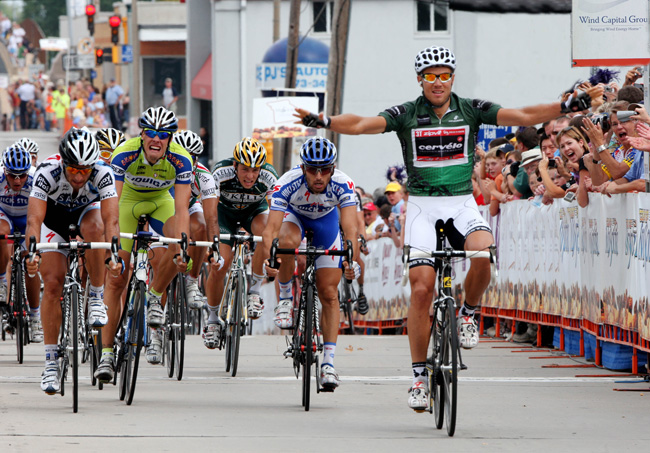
<point>240,237</point>
<point>410,253</point>
<point>309,251</point>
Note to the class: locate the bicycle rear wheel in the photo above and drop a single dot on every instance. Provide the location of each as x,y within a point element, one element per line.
<point>308,343</point>
<point>450,367</point>
<point>347,297</point>
<point>180,308</point>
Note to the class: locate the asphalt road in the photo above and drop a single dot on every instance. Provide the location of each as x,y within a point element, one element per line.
<point>507,402</point>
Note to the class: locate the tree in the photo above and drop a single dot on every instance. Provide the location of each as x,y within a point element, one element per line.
<point>46,14</point>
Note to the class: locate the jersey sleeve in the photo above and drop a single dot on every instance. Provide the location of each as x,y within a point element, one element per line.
<point>105,181</point>
<point>269,177</point>
<point>207,186</point>
<point>44,183</point>
<point>344,189</point>
<point>286,186</point>
<point>182,163</point>
<point>396,116</point>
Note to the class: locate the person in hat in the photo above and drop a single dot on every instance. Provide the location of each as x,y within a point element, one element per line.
<point>395,197</point>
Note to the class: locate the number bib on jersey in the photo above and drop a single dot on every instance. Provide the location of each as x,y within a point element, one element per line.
<point>440,146</point>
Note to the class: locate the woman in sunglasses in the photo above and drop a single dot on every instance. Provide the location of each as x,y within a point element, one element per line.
<point>71,187</point>
<point>437,132</point>
<point>307,197</point>
<point>146,167</point>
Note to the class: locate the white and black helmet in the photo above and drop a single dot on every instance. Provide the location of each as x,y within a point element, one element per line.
<point>190,141</point>
<point>79,147</point>
<point>29,145</point>
<point>435,56</point>
<point>159,119</point>
<point>109,138</point>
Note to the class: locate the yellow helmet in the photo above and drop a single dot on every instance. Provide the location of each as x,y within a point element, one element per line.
<point>250,152</point>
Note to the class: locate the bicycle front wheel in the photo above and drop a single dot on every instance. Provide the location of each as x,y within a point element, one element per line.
<point>436,388</point>
<point>19,312</point>
<point>169,352</point>
<point>180,308</point>
<point>134,342</point>
<point>239,304</point>
<point>308,344</point>
<point>74,358</point>
<point>449,367</point>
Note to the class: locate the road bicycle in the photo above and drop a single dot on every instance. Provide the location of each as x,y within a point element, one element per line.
<point>177,314</point>
<point>233,309</point>
<point>444,358</point>
<point>306,341</point>
<point>15,319</point>
<point>72,336</point>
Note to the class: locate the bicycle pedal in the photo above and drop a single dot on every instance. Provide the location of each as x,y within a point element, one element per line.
<point>327,389</point>
<point>463,366</point>
<point>287,354</point>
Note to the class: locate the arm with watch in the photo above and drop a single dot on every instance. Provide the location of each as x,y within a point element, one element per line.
<point>552,190</point>
<point>602,156</point>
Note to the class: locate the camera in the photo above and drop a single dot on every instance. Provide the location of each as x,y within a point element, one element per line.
<point>640,70</point>
<point>569,197</point>
<point>625,115</point>
<point>552,163</point>
<point>609,89</point>
<point>603,120</point>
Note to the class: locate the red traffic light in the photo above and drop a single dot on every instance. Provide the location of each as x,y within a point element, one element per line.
<point>114,21</point>
<point>90,10</point>
<point>99,52</point>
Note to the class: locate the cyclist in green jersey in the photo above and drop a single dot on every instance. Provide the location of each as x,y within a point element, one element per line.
<point>243,182</point>
<point>146,168</point>
<point>437,133</point>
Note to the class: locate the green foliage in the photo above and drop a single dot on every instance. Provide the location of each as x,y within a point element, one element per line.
<point>45,13</point>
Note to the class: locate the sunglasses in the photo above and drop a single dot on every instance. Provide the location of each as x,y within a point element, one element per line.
<point>322,170</point>
<point>106,153</point>
<point>509,161</point>
<point>444,78</point>
<point>78,171</point>
<point>16,175</point>
<point>160,134</point>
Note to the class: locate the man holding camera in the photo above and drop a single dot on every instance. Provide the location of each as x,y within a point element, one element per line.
<point>437,132</point>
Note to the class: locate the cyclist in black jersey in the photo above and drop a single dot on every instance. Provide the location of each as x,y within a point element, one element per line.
<point>437,133</point>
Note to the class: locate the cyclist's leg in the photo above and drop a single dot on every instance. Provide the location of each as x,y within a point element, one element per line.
<point>198,232</point>
<point>255,302</point>
<point>214,287</point>
<point>166,271</point>
<point>6,227</point>
<point>91,228</point>
<point>289,237</point>
<point>478,276</point>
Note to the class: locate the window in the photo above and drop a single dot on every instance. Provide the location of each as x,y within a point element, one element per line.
<point>432,15</point>
<point>323,16</point>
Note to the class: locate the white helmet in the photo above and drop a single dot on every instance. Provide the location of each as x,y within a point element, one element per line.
<point>435,56</point>
<point>190,141</point>
<point>79,147</point>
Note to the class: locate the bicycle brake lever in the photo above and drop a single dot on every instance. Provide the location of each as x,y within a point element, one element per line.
<point>273,262</point>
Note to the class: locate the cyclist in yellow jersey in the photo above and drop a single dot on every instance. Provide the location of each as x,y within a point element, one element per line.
<point>146,168</point>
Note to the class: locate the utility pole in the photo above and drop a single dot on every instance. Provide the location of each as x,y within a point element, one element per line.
<point>291,72</point>
<point>135,103</point>
<point>336,63</point>
<point>276,19</point>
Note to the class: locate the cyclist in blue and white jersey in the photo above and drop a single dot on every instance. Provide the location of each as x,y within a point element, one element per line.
<point>307,197</point>
<point>15,186</point>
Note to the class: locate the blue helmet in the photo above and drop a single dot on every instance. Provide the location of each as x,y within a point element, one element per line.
<point>318,152</point>
<point>16,159</point>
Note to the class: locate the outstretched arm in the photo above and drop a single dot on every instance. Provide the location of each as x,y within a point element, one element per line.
<point>346,123</point>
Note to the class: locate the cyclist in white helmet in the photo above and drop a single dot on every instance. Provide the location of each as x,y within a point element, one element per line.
<point>437,132</point>
<point>32,148</point>
<point>203,212</point>
<point>71,187</point>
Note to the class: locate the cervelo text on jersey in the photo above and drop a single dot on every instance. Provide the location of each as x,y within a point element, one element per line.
<point>50,183</point>
<point>233,196</point>
<point>439,152</point>
<point>14,203</point>
<point>131,167</point>
<point>291,190</point>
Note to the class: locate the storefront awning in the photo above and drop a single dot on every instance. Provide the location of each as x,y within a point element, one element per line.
<point>202,83</point>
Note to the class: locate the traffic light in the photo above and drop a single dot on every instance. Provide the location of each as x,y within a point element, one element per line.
<point>99,57</point>
<point>90,15</point>
<point>114,22</point>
